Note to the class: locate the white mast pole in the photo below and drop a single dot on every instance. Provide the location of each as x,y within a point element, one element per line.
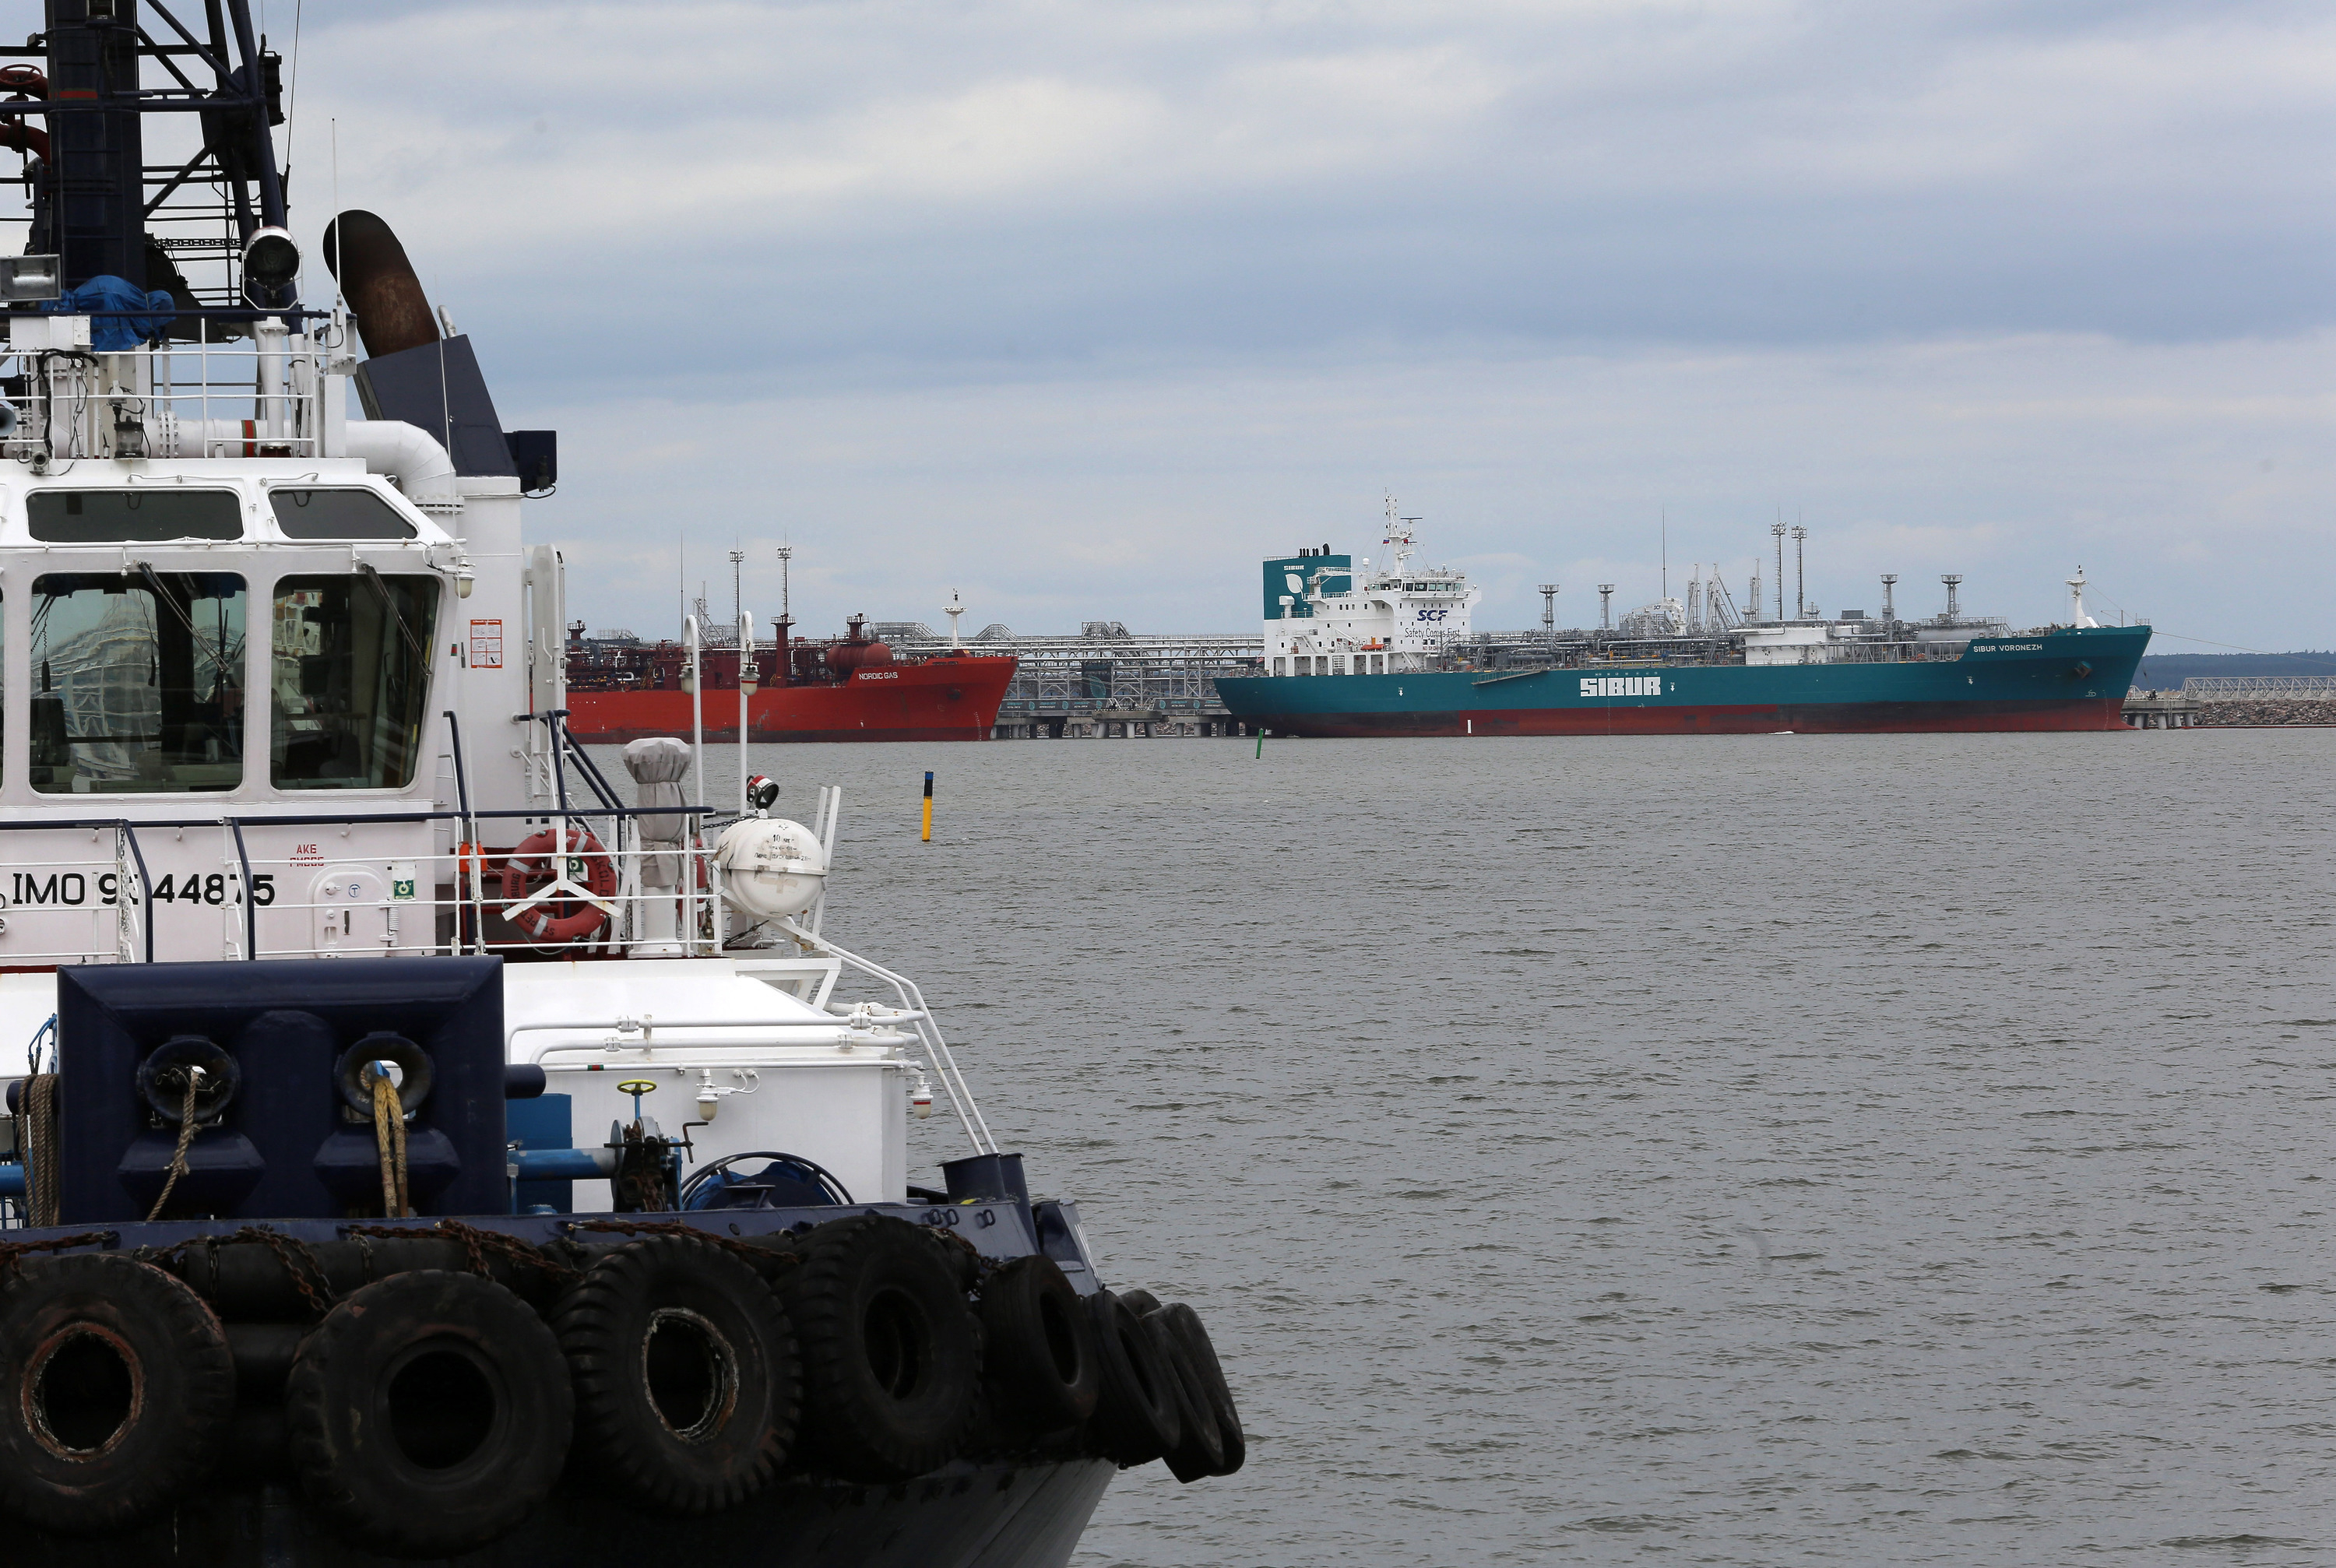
<point>746,677</point>
<point>697,762</point>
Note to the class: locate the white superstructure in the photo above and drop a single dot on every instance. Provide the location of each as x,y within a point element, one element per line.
<point>1329,613</point>
<point>281,680</point>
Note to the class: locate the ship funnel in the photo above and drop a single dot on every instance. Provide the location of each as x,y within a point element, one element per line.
<point>393,313</point>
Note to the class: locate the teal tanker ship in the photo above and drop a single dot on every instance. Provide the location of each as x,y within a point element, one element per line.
<point>1352,651</point>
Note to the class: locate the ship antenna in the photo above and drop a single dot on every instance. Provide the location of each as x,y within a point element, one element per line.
<point>1667,552</point>
<point>338,298</point>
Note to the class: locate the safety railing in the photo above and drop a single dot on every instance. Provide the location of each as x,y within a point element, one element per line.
<point>578,881</point>
<point>262,398</point>
<point>442,902</point>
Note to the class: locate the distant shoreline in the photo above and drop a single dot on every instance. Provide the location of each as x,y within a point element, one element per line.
<point>2168,671</point>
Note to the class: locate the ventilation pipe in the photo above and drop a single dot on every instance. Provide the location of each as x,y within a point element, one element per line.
<point>393,313</point>
<point>409,456</point>
<point>406,454</point>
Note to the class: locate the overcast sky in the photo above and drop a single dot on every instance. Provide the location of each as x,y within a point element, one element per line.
<point>1080,308</point>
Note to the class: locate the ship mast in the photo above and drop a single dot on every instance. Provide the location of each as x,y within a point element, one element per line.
<point>103,209</point>
<point>1398,540</point>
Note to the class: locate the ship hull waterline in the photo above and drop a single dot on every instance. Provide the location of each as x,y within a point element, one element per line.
<point>2061,681</point>
<point>993,1514</point>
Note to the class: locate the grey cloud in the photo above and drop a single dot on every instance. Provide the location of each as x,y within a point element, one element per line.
<point>1985,285</point>
<point>1019,179</point>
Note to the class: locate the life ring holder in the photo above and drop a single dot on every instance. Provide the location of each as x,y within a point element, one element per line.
<point>586,906</point>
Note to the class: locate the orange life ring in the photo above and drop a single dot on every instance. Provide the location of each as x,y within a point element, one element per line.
<point>559,920</point>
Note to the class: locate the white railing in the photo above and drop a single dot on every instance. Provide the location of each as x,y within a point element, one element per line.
<point>459,901</point>
<point>259,398</point>
<point>85,891</point>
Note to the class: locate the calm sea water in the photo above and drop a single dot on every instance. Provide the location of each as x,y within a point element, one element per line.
<point>1791,1149</point>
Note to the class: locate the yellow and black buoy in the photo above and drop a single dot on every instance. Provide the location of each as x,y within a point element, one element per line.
<point>929,808</point>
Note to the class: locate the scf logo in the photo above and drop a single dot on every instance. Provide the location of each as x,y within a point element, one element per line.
<point>1433,614</point>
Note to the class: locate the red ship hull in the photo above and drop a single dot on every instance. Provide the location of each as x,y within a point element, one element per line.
<point>938,699</point>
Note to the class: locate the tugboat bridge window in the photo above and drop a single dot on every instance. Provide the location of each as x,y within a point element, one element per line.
<point>350,680</point>
<point>138,514</point>
<point>346,514</point>
<point>137,682</point>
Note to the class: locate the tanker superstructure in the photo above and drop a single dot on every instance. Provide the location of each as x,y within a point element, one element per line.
<point>1355,650</point>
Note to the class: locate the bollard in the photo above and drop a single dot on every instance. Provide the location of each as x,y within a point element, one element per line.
<point>929,808</point>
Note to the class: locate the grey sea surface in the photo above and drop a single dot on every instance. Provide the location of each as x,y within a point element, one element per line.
<point>1783,1149</point>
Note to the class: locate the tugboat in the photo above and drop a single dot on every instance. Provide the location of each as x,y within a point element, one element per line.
<point>334,954</point>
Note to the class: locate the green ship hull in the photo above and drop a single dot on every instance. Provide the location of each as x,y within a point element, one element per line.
<point>2069,679</point>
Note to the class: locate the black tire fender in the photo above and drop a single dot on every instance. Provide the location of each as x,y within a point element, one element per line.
<point>1198,1450</point>
<point>1200,1355</point>
<point>1039,1356</point>
<point>1135,1419</point>
<point>118,1391</point>
<point>892,1353</point>
<point>684,1373</point>
<point>429,1413</point>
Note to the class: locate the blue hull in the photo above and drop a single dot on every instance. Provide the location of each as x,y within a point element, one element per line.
<point>2065,679</point>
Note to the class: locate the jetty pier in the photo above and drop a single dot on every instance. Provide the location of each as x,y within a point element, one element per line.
<point>1106,683</point>
<point>2160,709</point>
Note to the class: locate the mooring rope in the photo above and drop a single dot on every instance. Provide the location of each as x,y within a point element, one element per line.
<point>194,1077</point>
<point>41,1143</point>
<point>389,1136</point>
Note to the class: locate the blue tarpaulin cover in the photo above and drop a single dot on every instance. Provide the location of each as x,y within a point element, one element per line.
<point>116,334</point>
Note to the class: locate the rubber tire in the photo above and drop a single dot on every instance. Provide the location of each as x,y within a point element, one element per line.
<point>181,1399</point>
<point>1040,1359</point>
<point>870,1412</point>
<point>1197,1451</point>
<point>353,1465</point>
<point>1136,1420</point>
<point>1143,1303</point>
<point>1200,1354</point>
<point>605,1325</point>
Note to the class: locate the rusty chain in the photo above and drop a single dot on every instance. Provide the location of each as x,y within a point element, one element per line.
<point>752,1254</point>
<point>13,1253</point>
<point>292,1253</point>
<point>476,1243</point>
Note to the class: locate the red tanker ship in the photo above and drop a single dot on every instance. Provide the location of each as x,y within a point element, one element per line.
<point>853,687</point>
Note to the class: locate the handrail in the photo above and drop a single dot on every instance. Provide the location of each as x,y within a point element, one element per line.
<point>602,1047</point>
<point>144,883</point>
<point>960,1093</point>
<point>648,1028</point>
<point>46,824</point>
<point>251,909</point>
